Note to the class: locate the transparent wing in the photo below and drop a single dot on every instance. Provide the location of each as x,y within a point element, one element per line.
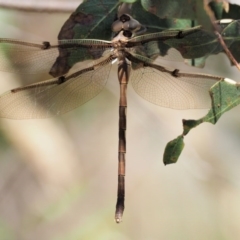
<point>195,45</point>
<point>34,58</point>
<point>56,96</point>
<point>172,89</point>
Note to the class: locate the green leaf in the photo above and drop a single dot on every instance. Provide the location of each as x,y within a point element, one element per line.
<point>171,8</point>
<point>200,44</point>
<point>193,9</point>
<point>91,20</point>
<point>184,9</point>
<point>197,44</point>
<point>173,150</point>
<point>225,95</point>
<point>155,24</point>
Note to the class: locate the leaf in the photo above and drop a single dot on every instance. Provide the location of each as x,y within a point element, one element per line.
<point>196,47</point>
<point>193,9</point>
<point>91,20</point>
<point>155,24</point>
<point>184,9</point>
<point>225,95</point>
<point>173,150</point>
<point>201,43</point>
<point>197,44</point>
<point>171,8</point>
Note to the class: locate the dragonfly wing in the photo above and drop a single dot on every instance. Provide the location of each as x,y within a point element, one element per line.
<point>35,58</point>
<point>172,88</point>
<point>194,44</point>
<point>56,96</point>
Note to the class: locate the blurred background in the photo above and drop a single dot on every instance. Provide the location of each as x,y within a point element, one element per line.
<point>58,176</point>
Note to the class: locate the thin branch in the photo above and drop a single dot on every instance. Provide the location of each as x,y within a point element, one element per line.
<point>219,36</point>
<point>229,54</point>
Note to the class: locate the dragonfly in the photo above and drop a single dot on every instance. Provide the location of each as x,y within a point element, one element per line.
<point>163,86</point>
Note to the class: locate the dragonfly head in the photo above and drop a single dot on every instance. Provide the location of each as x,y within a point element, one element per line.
<point>126,23</point>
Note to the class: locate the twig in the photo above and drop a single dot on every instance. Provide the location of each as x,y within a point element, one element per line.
<point>229,54</point>
<point>219,36</point>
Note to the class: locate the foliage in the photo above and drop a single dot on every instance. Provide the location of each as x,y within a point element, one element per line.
<point>195,45</point>
<point>225,95</point>
<point>91,22</point>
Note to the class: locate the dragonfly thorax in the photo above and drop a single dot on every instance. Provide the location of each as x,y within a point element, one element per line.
<point>119,42</point>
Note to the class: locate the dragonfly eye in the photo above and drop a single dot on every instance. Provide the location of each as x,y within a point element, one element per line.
<point>117,26</point>
<point>124,18</point>
<point>133,25</point>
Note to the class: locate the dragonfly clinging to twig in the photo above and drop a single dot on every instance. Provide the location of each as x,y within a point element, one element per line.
<point>158,84</point>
